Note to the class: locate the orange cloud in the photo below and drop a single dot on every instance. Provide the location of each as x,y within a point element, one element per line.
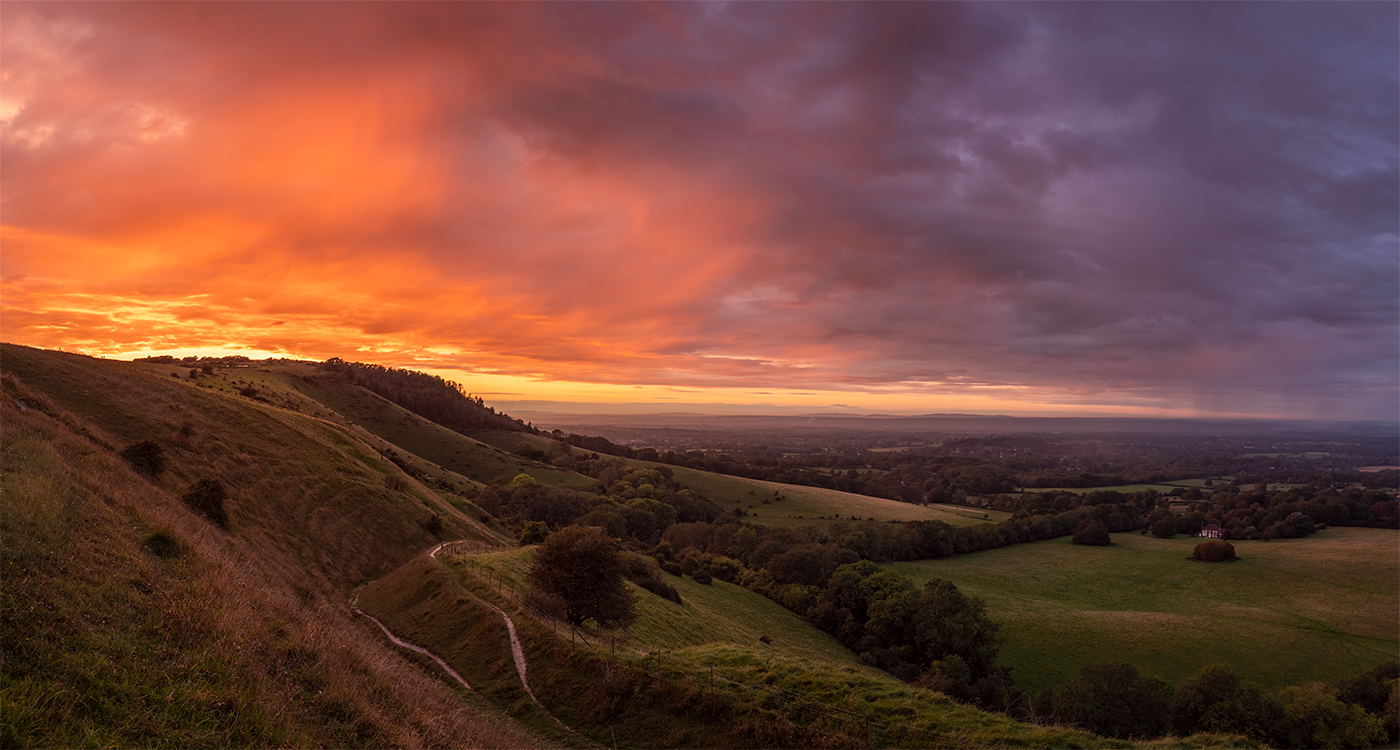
<point>557,198</point>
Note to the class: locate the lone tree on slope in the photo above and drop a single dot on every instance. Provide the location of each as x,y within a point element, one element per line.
<point>580,567</point>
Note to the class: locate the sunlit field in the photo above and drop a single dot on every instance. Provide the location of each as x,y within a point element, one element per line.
<point>1288,611</point>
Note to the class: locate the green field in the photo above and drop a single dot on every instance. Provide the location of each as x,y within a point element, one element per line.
<point>1126,489</point>
<point>1289,611</point>
<point>806,506</point>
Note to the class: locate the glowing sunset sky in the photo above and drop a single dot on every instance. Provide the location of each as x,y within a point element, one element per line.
<point>1180,209</point>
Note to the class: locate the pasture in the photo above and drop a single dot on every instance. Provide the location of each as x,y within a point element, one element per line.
<point>1288,611</point>
<point>814,506</point>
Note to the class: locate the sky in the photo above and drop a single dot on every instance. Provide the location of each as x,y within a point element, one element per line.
<point>1162,209</point>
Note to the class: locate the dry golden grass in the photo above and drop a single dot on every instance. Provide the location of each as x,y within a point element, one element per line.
<point>243,638</point>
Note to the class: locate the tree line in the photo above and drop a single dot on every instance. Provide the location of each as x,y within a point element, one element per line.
<point>428,396</point>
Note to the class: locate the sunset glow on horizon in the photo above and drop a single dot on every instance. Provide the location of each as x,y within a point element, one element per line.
<point>1175,209</point>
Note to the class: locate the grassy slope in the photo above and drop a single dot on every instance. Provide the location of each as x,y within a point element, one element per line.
<point>717,613</point>
<point>811,503</point>
<point>803,678</point>
<point>1289,611</point>
<point>241,637</point>
<point>452,450</point>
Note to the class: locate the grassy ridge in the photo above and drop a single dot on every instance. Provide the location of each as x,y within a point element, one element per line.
<point>452,450</point>
<point>111,637</point>
<point>1289,611</point>
<point>130,620</point>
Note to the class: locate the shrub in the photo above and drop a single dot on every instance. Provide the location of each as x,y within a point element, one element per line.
<point>146,457</point>
<point>725,568</point>
<point>672,569</point>
<point>700,575</point>
<point>248,391</point>
<point>434,524</point>
<point>1216,550</point>
<point>534,533</point>
<point>1164,529</point>
<point>1092,533</point>
<point>660,588</point>
<point>207,497</point>
<point>162,543</point>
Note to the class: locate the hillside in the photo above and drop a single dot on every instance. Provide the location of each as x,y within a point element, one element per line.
<point>129,619</point>
<point>136,613</point>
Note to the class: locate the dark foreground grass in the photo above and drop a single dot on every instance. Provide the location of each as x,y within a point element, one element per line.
<point>129,620</point>
<point>1289,611</point>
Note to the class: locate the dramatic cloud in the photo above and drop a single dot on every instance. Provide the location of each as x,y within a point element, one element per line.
<point>1157,207</point>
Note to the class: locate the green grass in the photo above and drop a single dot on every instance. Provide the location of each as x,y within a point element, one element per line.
<point>805,506</point>
<point>433,442</point>
<point>212,638</point>
<point>710,642</point>
<point>1289,611</point>
<point>720,613</point>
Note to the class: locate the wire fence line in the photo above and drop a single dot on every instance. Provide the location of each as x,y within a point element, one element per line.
<point>861,726</point>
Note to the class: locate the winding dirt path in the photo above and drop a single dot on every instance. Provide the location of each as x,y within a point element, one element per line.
<point>517,651</point>
<point>417,649</point>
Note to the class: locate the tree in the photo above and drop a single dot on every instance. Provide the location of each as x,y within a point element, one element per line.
<point>1115,701</point>
<point>1216,550</point>
<point>534,533</point>
<point>1164,529</point>
<point>1216,700</point>
<point>950,622</point>
<point>581,568</point>
<point>1092,533</point>
<point>1313,717</point>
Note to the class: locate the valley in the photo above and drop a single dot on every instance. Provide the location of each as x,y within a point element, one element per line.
<point>134,617</point>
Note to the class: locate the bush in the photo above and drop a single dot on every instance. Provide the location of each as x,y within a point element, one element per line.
<point>534,533</point>
<point>661,589</point>
<point>207,498</point>
<point>700,575</point>
<point>725,568</point>
<point>1164,529</point>
<point>1216,550</point>
<point>1092,533</point>
<point>162,543</point>
<point>672,569</point>
<point>146,457</point>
